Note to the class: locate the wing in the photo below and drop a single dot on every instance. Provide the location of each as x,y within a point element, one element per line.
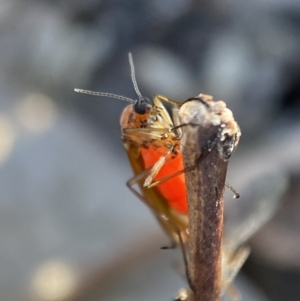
<point>171,221</point>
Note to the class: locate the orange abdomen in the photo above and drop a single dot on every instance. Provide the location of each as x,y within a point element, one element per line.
<point>173,190</point>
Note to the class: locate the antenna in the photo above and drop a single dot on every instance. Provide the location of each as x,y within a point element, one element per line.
<point>141,106</point>
<point>105,95</point>
<point>136,88</point>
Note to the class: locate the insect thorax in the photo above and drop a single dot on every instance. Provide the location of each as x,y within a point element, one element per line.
<point>147,129</point>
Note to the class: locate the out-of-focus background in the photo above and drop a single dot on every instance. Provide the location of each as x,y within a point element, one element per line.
<point>69,228</point>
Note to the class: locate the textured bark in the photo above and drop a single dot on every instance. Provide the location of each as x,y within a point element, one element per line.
<point>205,190</point>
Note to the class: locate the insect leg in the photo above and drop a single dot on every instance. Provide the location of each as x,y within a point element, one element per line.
<point>235,192</point>
<point>169,221</point>
<point>156,168</point>
<point>165,218</point>
<point>179,172</point>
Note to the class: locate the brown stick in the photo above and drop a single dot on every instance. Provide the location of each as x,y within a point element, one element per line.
<point>202,143</point>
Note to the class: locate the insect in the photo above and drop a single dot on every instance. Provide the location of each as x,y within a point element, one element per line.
<point>152,145</point>
<point>152,142</point>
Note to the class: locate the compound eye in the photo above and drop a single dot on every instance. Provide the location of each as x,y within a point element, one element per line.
<point>142,106</point>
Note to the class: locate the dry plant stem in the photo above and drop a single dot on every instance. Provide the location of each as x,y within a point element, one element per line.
<point>205,190</point>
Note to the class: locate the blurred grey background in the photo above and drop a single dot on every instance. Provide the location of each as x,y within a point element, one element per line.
<point>69,228</point>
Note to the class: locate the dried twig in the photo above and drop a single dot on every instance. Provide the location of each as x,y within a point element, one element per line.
<point>210,135</point>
